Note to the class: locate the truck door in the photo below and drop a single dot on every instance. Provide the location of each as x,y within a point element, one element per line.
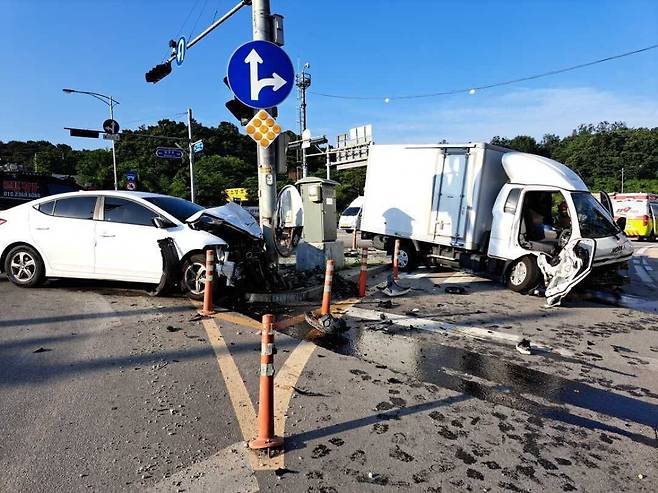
<point>502,239</point>
<point>448,208</point>
<point>606,203</point>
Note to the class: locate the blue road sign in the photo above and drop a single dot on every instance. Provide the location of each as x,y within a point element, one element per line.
<point>169,153</point>
<point>131,176</point>
<point>197,146</point>
<point>181,46</point>
<point>260,74</point>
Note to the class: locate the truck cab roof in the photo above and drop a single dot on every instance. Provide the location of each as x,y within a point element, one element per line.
<point>529,169</point>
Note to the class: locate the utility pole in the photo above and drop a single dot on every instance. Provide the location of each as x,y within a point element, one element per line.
<point>191,152</point>
<point>260,10</point>
<point>622,179</point>
<point>303,81</point>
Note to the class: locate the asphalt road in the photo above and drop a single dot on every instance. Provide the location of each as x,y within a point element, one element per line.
<point>96,392</point>
<point>105,388</point>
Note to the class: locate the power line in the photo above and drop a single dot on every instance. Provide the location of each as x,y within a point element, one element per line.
<point>472,89</point>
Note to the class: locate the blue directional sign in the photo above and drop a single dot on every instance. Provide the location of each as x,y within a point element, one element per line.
<point>181,46</point>
<point>197,146</point>
<point>169,153</point>
<point>131,176</point>
<point>260,74</point>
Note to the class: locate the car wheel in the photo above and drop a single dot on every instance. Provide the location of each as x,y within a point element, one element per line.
<point>407,260</point>
<point>523,275</point>
<point>24,267</point>
<point>193,276</point>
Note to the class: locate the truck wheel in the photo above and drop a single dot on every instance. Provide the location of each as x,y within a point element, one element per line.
<point>523,275</point>
<point>407,258</point>
<point>24,266</point>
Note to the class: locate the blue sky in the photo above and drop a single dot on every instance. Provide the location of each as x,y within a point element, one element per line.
<point>363,48</point>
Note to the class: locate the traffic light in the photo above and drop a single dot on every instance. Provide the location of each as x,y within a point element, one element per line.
<point>158,72</point>
<point>240,111</point>
<point>83,132</point>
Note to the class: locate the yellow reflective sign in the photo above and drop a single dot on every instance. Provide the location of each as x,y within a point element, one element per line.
<point>263,129</point>
<point>236,193</point>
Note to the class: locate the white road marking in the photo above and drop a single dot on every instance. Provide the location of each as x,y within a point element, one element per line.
<point>435,326</point>
<point>642,267</point>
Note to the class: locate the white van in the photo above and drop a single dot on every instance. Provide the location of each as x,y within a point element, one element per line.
<point>349,219</point>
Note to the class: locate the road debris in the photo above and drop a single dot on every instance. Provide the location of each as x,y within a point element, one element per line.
<point>524,347</point>
<point>393,289</point>
<point>455,290</point>
<point>309,393</point>
<point>42,350</point>
<point>327,324</point>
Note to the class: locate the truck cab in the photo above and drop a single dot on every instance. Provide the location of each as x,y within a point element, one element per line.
<point>543,208</point>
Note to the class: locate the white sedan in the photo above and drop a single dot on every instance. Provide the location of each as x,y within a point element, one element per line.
<point>114,236</point>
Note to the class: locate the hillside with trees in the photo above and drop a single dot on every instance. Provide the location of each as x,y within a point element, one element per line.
<point>596,152</point>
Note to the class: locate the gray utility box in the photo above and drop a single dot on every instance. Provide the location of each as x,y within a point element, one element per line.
<point>319,202</point>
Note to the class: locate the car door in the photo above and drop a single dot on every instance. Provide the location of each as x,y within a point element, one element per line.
<point>127,242</point>
<point>64,231</point>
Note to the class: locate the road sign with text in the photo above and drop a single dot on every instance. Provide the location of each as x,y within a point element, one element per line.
<point>169,153</point>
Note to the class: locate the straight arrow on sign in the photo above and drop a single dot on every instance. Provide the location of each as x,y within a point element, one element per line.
<point>276,81</point>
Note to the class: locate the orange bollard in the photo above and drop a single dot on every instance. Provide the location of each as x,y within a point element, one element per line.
<point>326,295</point>
<point>207,291</point>
<point>363,275</point>
<point>266,437</point>
<point>396,254</point>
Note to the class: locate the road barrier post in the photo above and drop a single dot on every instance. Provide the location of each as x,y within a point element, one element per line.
<point>326,295</point>
<point>207,291</point>
<point>396,254</point>
<point>363,274</point>
<point>266,437</point>
<point>354,243</point>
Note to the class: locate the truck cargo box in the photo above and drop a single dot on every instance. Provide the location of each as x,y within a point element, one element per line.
<point>441,193</point>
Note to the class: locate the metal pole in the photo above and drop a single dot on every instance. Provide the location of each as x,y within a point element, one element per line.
<point>622,180</point>
<point>328,163</point>
<point>191,150</point>
<point>260,10</point>
<point>302,118</point>
<point>114,152</point>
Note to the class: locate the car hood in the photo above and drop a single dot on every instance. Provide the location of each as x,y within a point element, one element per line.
<point>232,214</point>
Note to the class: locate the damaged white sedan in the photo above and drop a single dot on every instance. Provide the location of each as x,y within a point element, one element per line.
<point>128,236</point>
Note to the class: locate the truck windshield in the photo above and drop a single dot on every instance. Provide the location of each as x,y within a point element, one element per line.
<point>593,219</point>
<point>351,211</point>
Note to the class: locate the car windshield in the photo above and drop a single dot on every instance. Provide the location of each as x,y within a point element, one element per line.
<point>351,211</point>
<point>593,219</point>
<point>179,208</point>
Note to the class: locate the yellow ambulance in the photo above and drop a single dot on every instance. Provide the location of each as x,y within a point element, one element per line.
<point>640,211</point>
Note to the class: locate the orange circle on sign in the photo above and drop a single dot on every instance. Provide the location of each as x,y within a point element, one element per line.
<point>256,122</point>
<point>262,114</point>
<point>276,129</point>
<point>271,135</point>
<point>264,142</point>
<point>250,129</point>
<point>269,122</point>
<point>258,136</point>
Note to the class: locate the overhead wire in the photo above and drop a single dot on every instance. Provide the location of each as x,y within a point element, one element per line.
<point>473,88</point>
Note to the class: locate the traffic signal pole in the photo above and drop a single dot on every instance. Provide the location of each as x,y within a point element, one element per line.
<point>260,10</point>
<point>191,152</point>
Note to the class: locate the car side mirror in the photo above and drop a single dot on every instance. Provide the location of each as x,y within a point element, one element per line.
<point>621,222</point>
<point>162,223</point>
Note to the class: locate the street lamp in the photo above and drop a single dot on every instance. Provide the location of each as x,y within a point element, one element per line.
<point>108,100</point>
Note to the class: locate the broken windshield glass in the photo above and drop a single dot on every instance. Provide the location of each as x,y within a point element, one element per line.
<point>593,219</point>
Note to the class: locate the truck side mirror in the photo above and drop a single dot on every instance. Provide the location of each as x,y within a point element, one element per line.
<point>621,222</point>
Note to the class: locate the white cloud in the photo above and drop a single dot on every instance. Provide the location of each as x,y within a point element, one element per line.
<point>532,112</point>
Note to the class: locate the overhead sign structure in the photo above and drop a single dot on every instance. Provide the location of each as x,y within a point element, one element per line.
<point>169,153</point>
<point>197,146</point>
<point>263,129</point>
<point>260,74</point>
<point>181,46</point>
<point>111,126</point>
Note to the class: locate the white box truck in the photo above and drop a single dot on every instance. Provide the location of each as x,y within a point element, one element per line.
<point>487,208</point>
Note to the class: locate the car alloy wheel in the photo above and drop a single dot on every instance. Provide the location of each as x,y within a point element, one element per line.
<point>195,278</point>
<point>403,259</point>
<point>23,266</point>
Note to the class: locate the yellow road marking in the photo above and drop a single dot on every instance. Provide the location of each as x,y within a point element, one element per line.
<point>237,318</point>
